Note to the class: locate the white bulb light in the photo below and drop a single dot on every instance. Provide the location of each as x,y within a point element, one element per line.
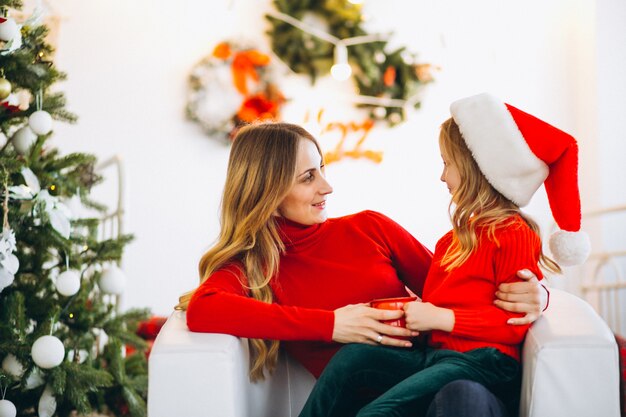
<point>341,71</point>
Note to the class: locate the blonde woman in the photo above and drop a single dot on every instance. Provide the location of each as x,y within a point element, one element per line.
<point>490,153</point>
<point>282,271</point>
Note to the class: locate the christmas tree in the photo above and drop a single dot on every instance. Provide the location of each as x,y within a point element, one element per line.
<point>62,340</point>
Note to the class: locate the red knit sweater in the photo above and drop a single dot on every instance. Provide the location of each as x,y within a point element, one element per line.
<point>469,290</point>
<point>346,260</point>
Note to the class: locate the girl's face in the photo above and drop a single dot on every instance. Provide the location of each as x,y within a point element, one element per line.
<point>306,201</point>
<point>450,174</point>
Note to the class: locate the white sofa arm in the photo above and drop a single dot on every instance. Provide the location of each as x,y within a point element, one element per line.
<point>570,369</point>
<point>570,363</point>
<point>206,375</point>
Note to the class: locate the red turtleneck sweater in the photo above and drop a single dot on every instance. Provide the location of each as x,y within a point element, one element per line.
<point>469,290</point>
<point>346,260</point>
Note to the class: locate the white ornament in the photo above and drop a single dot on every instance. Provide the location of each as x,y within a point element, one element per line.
<point>8,30</point>
<point>82,355</point>
<point>113,280</point>
<point>6,278</point>
<point>76,208</point>
<point>48,352</point>
<point>23,139</point>
<point>35,379</point>
<point>12,366</point>
<point>68,282</point>
<point>40,122</point>
<point>47,403</point>
<point>11,263</point>
<point>101,340</point>
<point>7,409</point>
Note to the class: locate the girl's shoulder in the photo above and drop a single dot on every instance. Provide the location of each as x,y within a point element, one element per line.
<point>515,228</point>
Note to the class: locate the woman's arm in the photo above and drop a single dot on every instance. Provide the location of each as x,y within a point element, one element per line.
<point>527,297</point>
<point>222,305</point>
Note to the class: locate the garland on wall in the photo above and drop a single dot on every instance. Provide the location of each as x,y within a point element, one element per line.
<point>314,37</point>
<point>232,86</point>
<point>236,85</point>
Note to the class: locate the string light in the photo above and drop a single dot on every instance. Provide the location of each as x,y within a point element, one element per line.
<point>341,69</point>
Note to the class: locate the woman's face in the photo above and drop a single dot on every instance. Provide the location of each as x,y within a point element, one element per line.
<point>306,201</point>
<point>450,174</point>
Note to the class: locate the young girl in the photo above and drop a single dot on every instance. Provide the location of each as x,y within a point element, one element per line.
<point>492,166</point>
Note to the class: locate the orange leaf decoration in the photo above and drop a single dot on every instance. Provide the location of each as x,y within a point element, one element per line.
<point>257,107</point>
<point>244,67</point>
<point>390,76</point>
<point>222,50</point>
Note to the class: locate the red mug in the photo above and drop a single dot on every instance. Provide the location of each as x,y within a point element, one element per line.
<point>396,303</point>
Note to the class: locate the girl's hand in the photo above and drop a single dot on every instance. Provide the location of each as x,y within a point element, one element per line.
<point>425,316</point>
<point>527,297</point>
<point>359,323</point>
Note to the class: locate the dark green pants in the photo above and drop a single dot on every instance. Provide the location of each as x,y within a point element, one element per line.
<point>366,381</point>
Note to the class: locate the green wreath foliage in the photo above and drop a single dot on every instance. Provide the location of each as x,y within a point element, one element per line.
<point>306,54</point>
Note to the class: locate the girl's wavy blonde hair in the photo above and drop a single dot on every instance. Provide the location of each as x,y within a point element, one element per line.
<point>476,203</point>
<point>261,172</point>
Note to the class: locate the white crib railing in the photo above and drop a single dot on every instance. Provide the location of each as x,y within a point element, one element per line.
<point>604,284</point>
<point>112,222</point>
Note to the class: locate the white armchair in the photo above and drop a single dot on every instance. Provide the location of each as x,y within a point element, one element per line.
<point>570,369</point>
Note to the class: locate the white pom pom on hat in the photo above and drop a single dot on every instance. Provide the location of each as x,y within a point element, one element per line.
<point>518,152</point>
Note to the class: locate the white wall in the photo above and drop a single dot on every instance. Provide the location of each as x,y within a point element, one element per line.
<point>128,62</point>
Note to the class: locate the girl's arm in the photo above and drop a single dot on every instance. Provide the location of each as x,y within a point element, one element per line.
<point>487,324</point>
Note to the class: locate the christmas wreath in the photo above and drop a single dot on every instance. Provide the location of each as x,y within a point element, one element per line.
<point>231,87</point>
<point>309,35</point>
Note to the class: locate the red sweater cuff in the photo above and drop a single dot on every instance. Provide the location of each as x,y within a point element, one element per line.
<point>466,322</point>
<point>323,324</point>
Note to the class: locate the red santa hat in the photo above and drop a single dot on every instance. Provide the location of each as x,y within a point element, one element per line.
<point>517,153</point>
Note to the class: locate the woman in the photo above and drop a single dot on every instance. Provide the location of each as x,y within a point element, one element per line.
<point>281,270</point>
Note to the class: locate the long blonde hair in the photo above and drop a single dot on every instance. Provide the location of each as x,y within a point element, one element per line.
<point>261,172</point>
<point>477,203</point>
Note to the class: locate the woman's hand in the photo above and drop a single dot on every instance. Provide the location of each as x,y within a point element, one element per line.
<point>359,323</point>
<point>522,297</point>
<point>425,316</point>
